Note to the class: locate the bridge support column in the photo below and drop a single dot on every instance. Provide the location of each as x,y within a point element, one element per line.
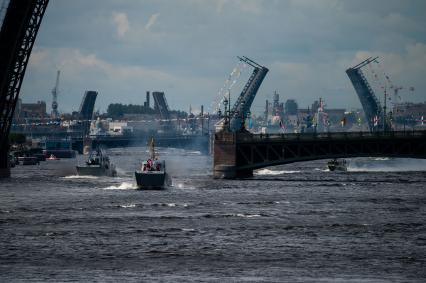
<point>225,158</point>
<point>4,164</point>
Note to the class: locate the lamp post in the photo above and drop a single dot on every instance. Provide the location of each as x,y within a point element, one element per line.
<point>225,104</point>
<point>242,126</point>
<point>384,112</point>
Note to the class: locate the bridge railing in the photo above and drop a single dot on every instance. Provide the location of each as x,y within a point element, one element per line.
<point>243,137</point>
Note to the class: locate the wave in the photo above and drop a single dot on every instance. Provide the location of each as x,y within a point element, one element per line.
<point>122,186</point>
<point>322,170</point>
<point>272,172</point>
<point>183,186</point>
<point>241,215</point>
<point>131,205</point>
<point>80,177</point>
<point>387,165</point>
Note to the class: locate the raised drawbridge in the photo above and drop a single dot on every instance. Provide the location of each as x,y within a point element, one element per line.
<point>234,119</point>
<point>374,113</point>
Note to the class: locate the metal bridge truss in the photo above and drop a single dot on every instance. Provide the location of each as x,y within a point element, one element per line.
<point>17,36</point>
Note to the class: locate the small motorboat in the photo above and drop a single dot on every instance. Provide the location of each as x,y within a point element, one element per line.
<point>52,157</point>
<point>98,164</point>
<point>153,172</point>
<point>337,165</point>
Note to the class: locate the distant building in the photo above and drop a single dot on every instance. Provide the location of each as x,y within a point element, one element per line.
<point>315,106</point>
<point>335,115</point>
<point>32,110</point>
<point>415,110</point>
<point>291,107</point>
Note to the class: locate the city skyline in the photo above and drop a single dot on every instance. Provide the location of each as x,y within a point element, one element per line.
<point>188,48</point>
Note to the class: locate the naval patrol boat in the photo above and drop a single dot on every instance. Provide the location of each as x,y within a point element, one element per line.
<point>337,165</point>
<point>98,164</point>
<point>153,172</point>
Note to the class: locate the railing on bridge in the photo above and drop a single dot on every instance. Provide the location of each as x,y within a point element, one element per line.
<point>241,137</point>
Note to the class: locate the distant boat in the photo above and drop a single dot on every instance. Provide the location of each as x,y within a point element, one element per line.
<point>337,165</point>
<point>153,172</point>
<point>52,157</point>
<point>98,164</point>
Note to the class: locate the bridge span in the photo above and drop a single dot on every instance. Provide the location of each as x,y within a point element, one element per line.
<point>236,155</point>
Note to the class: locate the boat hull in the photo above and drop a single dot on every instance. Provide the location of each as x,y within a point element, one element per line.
<point>151,180</point>
<point>337,167</point>
<point>95,171</point>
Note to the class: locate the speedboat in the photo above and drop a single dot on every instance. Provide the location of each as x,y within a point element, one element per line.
<point>337,165</point>
<point>153,172</point>
<point>98,164</point>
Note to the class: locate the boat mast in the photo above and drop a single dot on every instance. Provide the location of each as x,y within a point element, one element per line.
<point>152,149</point>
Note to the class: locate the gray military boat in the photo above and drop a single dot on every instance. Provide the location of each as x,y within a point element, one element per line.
<point>98,164</point>
<point>153,172</point>
<point>337,165</point>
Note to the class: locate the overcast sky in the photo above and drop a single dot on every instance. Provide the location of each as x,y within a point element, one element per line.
<point>187,48</point>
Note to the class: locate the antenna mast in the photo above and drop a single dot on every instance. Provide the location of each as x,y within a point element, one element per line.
<point>55,92</point>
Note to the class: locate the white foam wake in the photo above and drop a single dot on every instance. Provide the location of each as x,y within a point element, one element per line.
<point>272,172</point>
<point>80,177</point>
<point>388,165</point>
<point>122,186</point>
<point>131,205</point>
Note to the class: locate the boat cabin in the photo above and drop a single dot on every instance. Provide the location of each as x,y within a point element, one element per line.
<point>153,165</point>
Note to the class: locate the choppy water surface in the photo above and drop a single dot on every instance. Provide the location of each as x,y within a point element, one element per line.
<point>293,223</point>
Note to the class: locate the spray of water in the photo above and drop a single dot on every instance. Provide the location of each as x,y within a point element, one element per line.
<point>387,165</point>
<point>122,186</point>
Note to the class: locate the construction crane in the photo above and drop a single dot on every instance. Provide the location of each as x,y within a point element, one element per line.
<point>55,92</point>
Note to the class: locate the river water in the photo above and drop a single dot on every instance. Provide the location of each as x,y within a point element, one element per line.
<point>292,223</point>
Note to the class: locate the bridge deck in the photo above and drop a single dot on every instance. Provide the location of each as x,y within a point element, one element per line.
<point>238,154</point>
